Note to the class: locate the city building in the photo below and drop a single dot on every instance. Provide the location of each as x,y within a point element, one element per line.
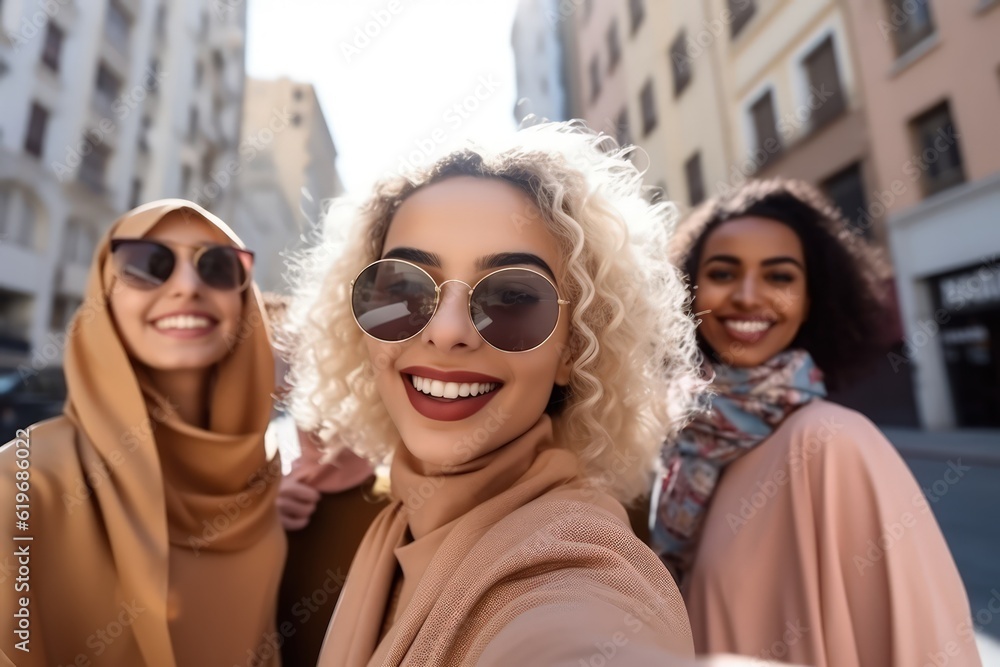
<point>287,172</point>
<point>931,81</point>
<point>795,102</point>
<point>716,92</point>
<point>106,104</point>
<point>535,40</point>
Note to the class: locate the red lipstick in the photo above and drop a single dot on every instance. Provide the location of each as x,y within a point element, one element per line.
<point>446,409</point>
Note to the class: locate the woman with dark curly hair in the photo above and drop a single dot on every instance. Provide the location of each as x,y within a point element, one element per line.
<point>795,529</point>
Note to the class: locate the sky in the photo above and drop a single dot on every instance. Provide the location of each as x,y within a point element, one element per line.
<point>397,79</point>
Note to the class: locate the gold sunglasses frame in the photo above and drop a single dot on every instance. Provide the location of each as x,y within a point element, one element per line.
<point>472,288</point>
<point>199,250</point>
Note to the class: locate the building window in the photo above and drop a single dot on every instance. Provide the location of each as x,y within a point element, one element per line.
<point>767,143</point>
<point>18,216</point>
<point>824,84</point>
<point>595,78</point>
<point>637,12</point>
<point>939,156</point>
<point>742,11</point>
<point>16,311</point>
<point>910,21</point>
<point>161,21</point>
<point>199,74</point>
<point>680,63</point>
<point>152,81</point>
<point>79,242</point>
<point>53,46</point>
<point>144,135</point>
<point>34,141</point>
<point>186,176</point>
<point>623,133</point>
<point>296,119</point>
<point>695,182</point>
<point>846,189</point>
<point>94,164</point>
<point>614,46</point>
<point>648,105</point>
<point>117,26</point>
<point>192,130</point>
<point>108,85</point>
<point>63,309</point>
<point>297,94</point>
<point>135,198</point>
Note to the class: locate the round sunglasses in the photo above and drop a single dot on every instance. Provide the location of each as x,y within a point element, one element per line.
<point>146,265</point>
<point>513,309</point>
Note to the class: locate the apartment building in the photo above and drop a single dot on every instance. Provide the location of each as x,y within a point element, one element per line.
<point>931,81</point>
<point>538,59</point>
<point>715,92</point>
<point>288,173</point>
<point>106,104</point>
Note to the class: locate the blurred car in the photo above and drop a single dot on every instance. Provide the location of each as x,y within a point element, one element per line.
<point>27,396</point>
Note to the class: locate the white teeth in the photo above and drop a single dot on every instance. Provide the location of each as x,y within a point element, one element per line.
<point>182,322</point>
<point>451,389</point>
<point>748,326</point>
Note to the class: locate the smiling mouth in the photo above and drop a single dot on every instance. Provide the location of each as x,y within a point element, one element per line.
<point>748,326</point>
<point>448,401</point>
<point>183,322</point>
<point>748,331</point>
<point>452,390</point>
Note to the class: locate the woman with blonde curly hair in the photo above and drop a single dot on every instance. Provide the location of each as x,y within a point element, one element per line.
<point>503,326</point>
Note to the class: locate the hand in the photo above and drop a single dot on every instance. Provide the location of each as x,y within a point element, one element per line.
<point>296,502</point>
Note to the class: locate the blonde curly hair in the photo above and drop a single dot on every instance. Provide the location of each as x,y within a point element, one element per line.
<point>634,381</point>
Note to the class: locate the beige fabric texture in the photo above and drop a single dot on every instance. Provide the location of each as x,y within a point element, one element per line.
<point>483,544</point>
<point>819,548</point>
<point>123,570</point>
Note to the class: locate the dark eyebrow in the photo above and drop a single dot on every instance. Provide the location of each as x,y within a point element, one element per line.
<point>782,260</point>
<point>502,259</point>
<point>730,259</point>
<point>414,255</point>
<point>494,261</point>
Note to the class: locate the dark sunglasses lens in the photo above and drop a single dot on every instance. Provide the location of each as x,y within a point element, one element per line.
<point>392,300</point>
<point>224,268</point>
<point>144,264</point>
<point>515,310</point>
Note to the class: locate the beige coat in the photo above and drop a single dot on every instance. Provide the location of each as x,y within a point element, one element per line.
<point>819,548</point>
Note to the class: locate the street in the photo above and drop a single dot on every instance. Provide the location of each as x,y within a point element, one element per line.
<point>959,473</point>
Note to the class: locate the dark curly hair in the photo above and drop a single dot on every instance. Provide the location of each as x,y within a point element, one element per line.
<point>843,331</point>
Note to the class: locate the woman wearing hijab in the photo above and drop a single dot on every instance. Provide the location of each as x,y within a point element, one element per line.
<point>151,532</point>
<point>501,325</point>
<point>796,530</point>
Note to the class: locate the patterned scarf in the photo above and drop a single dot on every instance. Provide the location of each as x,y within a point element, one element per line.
<point>748,405</point>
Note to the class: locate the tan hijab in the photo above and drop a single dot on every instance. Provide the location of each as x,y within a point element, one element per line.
<point>142,519</point>
<point>479,545</point>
